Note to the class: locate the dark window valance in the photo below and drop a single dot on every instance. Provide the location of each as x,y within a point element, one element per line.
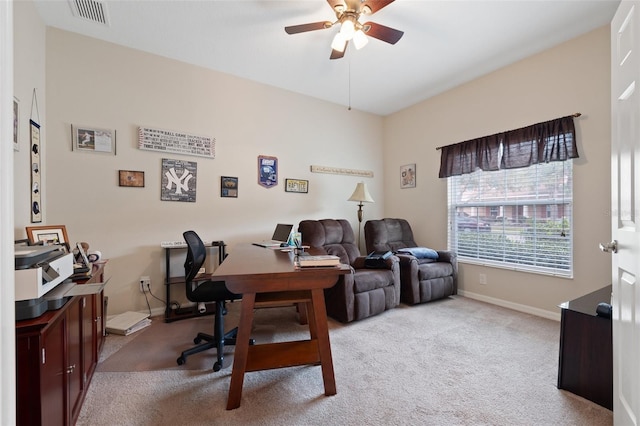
<point>552,140</point>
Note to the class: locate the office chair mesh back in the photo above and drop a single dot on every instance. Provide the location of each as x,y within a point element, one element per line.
<point>196,254</point>
<point>207,291</point>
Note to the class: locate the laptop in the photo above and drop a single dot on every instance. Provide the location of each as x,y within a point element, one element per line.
<point>280,235</point>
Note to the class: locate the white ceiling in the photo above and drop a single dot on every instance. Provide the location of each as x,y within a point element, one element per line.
<point>446,43</point>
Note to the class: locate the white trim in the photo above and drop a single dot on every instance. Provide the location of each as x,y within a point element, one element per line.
<point>510,305</point>
<point>155,312</point>
<point>7,276</point>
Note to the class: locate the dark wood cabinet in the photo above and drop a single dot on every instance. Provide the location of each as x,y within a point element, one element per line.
<point>56,356</point>
<point>586,349</point>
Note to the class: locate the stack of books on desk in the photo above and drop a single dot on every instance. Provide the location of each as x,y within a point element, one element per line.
<point>308,261</point>
<point>127,323</point>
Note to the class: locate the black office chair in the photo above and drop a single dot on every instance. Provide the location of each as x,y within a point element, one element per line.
<point>206,292</point>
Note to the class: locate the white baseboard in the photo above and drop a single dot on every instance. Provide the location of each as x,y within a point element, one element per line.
<point>510,305</point>
<point>157,312</point>
<point>154,313</point>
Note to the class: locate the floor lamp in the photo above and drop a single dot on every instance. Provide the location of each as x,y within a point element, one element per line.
<point>361,195</point>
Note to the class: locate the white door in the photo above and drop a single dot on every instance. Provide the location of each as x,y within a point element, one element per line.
<point>625,211</point>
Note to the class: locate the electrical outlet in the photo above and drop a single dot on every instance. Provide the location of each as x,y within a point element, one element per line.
<point>483,278</point>
<point>145,283</point>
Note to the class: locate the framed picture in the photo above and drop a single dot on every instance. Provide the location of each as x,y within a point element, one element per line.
<point>267,171</point>
<point>178,180</point>
<point>16,124</point>
<point>408,176</point>
<point>296,185</point>
<point>91,139</point>
<point>36,178</point>
<point>229,186</point>
<point>131,178</point>
<point>52,234</point>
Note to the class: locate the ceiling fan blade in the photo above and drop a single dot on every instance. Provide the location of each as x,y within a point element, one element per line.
<point>381,32</point>
<point>375,5</point>
<point>336,54</point>
<point>295,29</point>
<point>334,3</point>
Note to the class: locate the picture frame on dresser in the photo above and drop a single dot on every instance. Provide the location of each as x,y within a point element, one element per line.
<point>48,234</point>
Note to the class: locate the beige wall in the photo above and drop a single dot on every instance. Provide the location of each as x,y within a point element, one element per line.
<point>89,82</point>
<point>572,77</point>
<point>29,34</point>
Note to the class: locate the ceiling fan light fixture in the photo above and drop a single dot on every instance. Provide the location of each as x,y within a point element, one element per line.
<point>347,29</point>
<point>348,14</point>
<point>339,42</point>
<point>360,40</point>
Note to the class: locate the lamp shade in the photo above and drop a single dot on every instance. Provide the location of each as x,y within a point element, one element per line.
<point>361,194</point>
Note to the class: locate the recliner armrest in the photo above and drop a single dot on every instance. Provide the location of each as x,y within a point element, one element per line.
<point>358,263</point>
<point>405,259</point>
<point>447,256</point>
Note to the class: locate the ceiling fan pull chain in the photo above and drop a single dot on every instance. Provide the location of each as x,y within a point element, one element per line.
<point>349,109</point>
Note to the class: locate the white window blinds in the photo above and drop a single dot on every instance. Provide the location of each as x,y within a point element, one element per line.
<point>515,218</point>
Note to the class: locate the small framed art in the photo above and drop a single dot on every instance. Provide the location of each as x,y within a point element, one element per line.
<point>408,176</point>
<point>228,187</point>
<point>51,234</point>
<point>16,124</point>
<point>267,171</point>
<point>178,181</point>
<point>296,185</point>
<point>131,178</point>
<point>92,139</point>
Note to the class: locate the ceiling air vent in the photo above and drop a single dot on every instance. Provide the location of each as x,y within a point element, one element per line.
<point>91,10</point>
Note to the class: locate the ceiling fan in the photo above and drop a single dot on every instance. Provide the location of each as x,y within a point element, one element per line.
<point>348,13</point>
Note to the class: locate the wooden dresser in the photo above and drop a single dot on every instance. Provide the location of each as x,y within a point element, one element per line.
<point>586,349</point>
<point>56,355</point>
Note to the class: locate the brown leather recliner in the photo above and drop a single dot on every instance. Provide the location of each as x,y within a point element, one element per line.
<point>363,293</point>
<point>422,279</point>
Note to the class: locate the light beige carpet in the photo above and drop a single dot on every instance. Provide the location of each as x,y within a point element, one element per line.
<point>451,362</point>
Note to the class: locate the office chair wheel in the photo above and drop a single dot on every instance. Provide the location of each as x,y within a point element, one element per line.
<point>217,366</point>
<point>197,340</point>
<point>181,360</point>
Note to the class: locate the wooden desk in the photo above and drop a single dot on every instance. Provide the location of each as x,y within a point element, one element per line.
<point>267,277</point>
<point>586,349</point>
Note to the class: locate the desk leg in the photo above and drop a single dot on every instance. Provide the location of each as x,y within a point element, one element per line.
<point>242,350</point>
<point>301,308</point>
<point>319,323</point>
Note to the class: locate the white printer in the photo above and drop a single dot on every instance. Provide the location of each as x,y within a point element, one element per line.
<point>38,269</point>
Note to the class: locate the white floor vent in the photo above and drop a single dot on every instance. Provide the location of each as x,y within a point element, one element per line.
<point>91,10</point>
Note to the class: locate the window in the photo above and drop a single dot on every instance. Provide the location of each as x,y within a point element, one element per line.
<point>510,198</point>
<point>518,218</point>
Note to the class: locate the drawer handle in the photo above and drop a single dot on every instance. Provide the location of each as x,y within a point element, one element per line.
<point>71,369</point>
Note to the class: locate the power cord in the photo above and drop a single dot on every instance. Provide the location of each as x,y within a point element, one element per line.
<point>174,304</point>
<point>153,295</point>
<point>147,300</point>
